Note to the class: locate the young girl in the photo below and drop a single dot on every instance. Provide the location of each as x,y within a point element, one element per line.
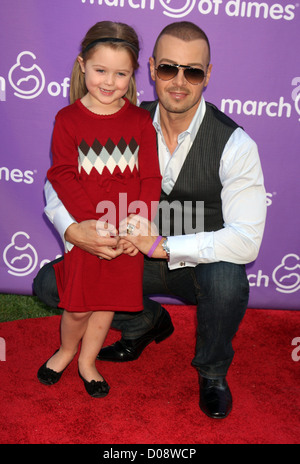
<point>104,150</point>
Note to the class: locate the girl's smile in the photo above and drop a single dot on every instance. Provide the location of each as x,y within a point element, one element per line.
<point>107,77</point>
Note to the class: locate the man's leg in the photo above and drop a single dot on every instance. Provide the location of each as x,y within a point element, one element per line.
<point>222,295</point>
<point>45,286</point>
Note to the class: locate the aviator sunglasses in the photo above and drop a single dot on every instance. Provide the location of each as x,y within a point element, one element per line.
<point>167,72</point>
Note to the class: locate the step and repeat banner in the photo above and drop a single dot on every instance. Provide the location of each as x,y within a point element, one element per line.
<point>255,80</point>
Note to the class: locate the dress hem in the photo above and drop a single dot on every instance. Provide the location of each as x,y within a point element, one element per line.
<point>85,309</point>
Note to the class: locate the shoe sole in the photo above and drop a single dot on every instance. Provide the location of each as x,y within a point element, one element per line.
<point>98,396</point>
<point>211,416</point>
<point>46,383</point>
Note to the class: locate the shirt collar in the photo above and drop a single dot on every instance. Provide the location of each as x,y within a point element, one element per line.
<point>194,125</point>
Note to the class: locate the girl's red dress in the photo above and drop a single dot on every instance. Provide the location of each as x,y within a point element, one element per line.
<point>99,160</point>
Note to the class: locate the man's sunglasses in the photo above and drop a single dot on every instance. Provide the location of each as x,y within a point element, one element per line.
<point>166,72</point>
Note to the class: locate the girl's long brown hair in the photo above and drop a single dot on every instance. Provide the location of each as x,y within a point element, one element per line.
<point>104,29</point>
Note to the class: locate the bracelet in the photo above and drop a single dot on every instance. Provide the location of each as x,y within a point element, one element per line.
<point>154,246</point>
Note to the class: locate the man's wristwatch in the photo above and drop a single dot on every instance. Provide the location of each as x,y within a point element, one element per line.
<point>166,248</point>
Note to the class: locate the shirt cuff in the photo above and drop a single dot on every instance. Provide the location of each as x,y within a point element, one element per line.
<point>61,222</point>
<point>191,250</point>
<point>183,251</point>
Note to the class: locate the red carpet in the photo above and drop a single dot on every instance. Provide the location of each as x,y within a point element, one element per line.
<point>154,400</point>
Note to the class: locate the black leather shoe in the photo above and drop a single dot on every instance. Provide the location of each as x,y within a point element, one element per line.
<point>215,397</point>
<point>129,350</point>
<point>96,389</point>
<point>48,376</point>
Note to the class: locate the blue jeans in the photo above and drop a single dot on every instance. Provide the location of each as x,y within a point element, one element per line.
<point>220,291</point>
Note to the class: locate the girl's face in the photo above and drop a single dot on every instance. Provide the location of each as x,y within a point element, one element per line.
<point>107,75</point>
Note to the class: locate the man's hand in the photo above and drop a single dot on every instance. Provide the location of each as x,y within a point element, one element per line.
<point>93,237</point>
<point>142,236</point>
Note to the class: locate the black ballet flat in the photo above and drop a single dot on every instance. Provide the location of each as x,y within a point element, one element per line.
<point>48,376</point>
<point>96,389</point>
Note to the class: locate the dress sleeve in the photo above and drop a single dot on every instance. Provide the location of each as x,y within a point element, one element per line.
<point>64,175</point>
<point>149,171</point>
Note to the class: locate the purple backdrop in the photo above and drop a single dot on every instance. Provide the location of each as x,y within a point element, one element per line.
<point>255,80</point>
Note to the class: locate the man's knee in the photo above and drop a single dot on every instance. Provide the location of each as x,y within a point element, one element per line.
<point>44,285</point>
<point>225,281</point>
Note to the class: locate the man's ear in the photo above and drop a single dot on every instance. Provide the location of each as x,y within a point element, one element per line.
<point>208,75</point>
<point>152,67</point>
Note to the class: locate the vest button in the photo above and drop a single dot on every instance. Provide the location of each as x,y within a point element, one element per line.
<point>182,263</point>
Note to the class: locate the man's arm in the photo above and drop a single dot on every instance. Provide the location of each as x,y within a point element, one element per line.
<point>57,213</point>
<point>244,211</point>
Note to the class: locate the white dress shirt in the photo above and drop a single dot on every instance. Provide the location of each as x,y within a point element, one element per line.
<point>171,163</point>
<point>243,200</point>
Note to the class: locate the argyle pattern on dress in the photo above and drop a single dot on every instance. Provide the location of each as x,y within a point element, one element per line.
<point>110,155</point>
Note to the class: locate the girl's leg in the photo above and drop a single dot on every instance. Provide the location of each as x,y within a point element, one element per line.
<point>73,327</point>
<point>92,341</point>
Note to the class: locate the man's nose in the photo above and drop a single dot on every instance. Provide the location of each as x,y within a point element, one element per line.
<point>180,79</point>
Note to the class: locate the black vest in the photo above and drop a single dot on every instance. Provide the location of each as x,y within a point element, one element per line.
<point>198,187</point>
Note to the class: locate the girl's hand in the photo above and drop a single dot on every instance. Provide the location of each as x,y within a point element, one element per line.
<point>107,230</point>
<point>128,248</point>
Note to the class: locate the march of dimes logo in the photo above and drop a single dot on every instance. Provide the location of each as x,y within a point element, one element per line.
<point>28,79</point>
<point>182,8</point>
<point>25,71</point>
<point>20,256</point>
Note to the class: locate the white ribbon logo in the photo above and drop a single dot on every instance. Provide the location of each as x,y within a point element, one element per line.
<point>287,275</point>
<point>21,258</point>
<point>27,80</point>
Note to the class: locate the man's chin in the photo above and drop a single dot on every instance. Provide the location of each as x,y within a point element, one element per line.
<point>176,107</point>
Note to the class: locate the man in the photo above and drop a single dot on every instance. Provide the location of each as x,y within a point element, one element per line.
<point>204,156</point>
